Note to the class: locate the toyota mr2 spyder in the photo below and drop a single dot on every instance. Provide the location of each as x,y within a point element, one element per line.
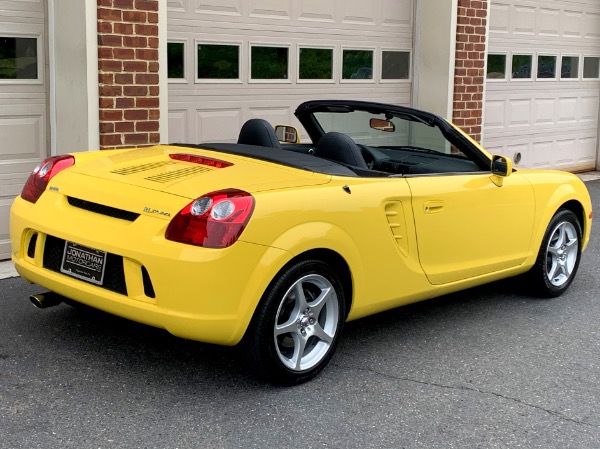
<point>273,243</point>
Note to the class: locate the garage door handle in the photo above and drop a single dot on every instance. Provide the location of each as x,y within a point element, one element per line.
<point>433,207</point>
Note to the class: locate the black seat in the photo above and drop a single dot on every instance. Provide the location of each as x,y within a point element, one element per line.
<point>340,147</point>
<point>258,132</point>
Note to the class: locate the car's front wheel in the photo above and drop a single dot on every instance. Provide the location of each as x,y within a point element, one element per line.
<point>295,330</point>
<point>558,258</point>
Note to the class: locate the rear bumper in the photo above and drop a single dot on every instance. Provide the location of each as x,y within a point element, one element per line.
<point>202,294</point>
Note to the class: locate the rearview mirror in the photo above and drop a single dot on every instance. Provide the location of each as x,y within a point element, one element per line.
<point>287,134</point>
<point>382,125</point>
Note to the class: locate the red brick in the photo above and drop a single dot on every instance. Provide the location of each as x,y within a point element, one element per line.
<point>125,103</point>
<point>154,114</point>
<point>111,15</point>
<point>124,78</point>
<point>152,17</point>
<point>135,66</point>
<point>146,30</point>
<point>124,53</point>
<point>146,5</point>
<point>110,91</point>
<point>105,27</point>
<point>110,40</point>
<point>107,127</point>
<point>111,115</point>
<point>136,139</point>
<point>136,114</point>
<point>147,102</point>
<point>134,16</point>
<point>124,4</point>
<point>153,91</point>
<point>125,127</point>
<point>105,3</point>
<point>106,103</point>
<point>135,91</point>
<point>135,41</point>
<point>106,78</point>
<point>105,53</point>
<point>108,140</point>
<point>153,42</point>
<point>146,126</point>
<point>146,78</point>
<point>123,28</point>
<point>154,137</point>
<point>153,67</point>
<point>110,66</point>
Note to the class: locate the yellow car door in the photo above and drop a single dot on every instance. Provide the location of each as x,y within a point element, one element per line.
<point>468,226</point>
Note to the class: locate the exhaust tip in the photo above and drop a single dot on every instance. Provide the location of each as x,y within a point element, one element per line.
<point>45,300</point>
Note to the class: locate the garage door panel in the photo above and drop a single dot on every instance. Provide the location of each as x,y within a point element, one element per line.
<point>218,124</point>
<point>560,127</point>
<point>23,104</point>
<point>334,25</point>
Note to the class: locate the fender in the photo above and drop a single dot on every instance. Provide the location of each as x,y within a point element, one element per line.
<point>554,197</point>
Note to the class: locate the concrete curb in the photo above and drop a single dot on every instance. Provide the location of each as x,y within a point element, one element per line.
<point>7,270</point>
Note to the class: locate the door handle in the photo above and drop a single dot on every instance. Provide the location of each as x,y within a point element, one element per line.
<point>433,207</point>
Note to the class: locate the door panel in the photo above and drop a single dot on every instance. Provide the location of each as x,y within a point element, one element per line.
<point>467,226</point>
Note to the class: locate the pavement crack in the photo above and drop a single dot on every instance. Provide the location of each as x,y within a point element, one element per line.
<point>473,389</point>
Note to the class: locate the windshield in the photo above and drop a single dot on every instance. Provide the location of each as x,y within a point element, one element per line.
<point>387,131</point>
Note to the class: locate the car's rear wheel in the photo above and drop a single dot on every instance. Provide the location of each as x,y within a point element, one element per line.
<point>558,258</point>
<point>295,330</point>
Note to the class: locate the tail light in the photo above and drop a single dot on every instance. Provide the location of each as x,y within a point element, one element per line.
<point>42,174</point>
<point>215,220</point>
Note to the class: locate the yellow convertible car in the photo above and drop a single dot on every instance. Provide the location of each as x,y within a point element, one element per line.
<point>274,244</point>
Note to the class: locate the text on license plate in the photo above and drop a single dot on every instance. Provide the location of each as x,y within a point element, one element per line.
<point>83,262</point>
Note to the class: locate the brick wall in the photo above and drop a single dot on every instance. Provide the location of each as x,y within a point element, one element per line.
<point>128,72</point>
<point>469,76</point>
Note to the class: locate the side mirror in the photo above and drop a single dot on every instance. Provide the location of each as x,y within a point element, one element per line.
<point>501,168</point>
<point>287,134</point>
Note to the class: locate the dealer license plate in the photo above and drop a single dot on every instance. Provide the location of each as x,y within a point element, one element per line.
<point>84,263</point>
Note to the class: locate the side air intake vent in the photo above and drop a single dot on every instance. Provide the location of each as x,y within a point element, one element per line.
<point>102,209</point>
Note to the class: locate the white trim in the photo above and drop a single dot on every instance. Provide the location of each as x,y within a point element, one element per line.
<point>371,80</point>
<point>485,66</point>
<point>52,78</point>
<point>452,62</point>
<point>485,80</point>
<point>532,68</point>
<point>183,80</point>
<point>299,80</point>
<point>251,80</point>
<point>41,61</point>
<point>237,80</point>
<point>93,94</point>
<point>163,80</point>
<point>579,68</point>
<point>394,80</point>
<point>537,66</point>
<point>414,94</point>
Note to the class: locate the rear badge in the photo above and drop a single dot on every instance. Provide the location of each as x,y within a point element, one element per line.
<point>149,210</point>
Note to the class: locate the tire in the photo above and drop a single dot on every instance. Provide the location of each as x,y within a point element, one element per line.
<point>296,327</point>
<point>558,257</point>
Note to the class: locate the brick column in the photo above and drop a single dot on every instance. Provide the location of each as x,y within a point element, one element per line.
<point>128,72</point>
<point>469,71</point>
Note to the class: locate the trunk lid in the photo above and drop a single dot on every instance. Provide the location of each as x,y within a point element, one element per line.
<point>153,168</point>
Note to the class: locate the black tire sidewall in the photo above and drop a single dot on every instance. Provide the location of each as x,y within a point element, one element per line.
<point>542,284</point>
<point>260,350</point>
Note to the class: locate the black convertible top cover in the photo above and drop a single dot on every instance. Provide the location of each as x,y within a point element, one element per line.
<point>283,157</point>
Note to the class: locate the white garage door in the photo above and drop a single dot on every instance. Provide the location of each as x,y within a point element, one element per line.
<point>232,60</point>
<point>23,104</point>
<point>543,82</point>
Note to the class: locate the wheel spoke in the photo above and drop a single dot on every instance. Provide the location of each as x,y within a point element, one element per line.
<point>299,346</point>
<point>554,269</point>
<point>320,333</point>
<point>317,305</point>
<point>289,327</point>
<point>301,303</point>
